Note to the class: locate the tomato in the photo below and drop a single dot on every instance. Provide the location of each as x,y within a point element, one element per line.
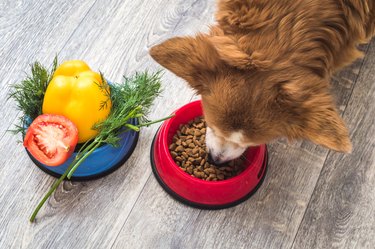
<point>74,92</point>
<point>51,139</point>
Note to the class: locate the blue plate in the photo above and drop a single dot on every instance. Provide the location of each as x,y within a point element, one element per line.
<point>103,161</point>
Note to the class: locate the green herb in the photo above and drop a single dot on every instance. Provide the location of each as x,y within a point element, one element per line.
<point>29,94</point>
<point>130,99</point>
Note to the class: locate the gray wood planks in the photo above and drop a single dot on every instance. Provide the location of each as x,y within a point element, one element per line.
<point>29,31</point>
<point>116,49</point>
<point>270,219</point>
<point>341,213</point>
<point>128,209</point>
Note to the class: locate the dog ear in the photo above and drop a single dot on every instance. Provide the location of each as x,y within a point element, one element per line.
<point>328,129</point>
<point>230,52</point>
<point>313,113</point>
<point>187,57</point>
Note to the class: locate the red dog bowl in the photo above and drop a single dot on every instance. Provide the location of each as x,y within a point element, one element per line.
<point>196,192</point>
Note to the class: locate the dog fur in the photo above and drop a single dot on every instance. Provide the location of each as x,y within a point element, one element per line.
<point>263,70</point>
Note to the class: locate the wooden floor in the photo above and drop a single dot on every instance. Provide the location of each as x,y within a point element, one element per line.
<point>311,197</point>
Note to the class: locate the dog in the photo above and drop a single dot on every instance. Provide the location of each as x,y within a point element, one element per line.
<point>263,70</point>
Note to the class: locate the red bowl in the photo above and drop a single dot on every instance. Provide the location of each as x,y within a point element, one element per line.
<point>196,192</point>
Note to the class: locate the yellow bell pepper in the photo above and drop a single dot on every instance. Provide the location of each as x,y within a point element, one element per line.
<point>74,92</point>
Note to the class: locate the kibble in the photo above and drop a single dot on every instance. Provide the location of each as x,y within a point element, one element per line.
<point>189,152</point>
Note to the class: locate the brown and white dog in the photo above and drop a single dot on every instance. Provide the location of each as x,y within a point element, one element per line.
<point>263,71</point>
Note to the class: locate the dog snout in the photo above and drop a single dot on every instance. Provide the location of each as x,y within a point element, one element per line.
<point>210,159</point>
<point>221,150</point>
<point>215,160</point>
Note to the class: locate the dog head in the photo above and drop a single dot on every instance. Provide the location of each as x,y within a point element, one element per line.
<point>249,100</point>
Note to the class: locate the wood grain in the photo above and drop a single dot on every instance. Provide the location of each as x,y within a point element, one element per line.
<point>341,213</point>
<point>116,49</point>
<point>270,219</point>
<point>128,209</point>
<point>29,31</point>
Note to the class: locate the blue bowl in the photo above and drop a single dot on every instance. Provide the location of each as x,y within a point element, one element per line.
<point>103,161</point>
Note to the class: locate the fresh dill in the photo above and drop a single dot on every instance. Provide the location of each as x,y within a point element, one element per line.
<point>103,86</point>
<point>29,94</point>
<point>131,99</point>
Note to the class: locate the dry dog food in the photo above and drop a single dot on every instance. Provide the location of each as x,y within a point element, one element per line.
<point>188,150</point>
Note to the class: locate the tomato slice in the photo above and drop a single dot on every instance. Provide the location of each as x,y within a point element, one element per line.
<point>51,139</point>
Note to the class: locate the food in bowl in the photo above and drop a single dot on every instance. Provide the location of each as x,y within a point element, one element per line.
<point>188,150</point>
<point>194,191</point>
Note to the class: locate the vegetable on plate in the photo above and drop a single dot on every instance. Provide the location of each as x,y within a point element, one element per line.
<point>79,94</point>
<point>51,139</point>
<point>72,95</point>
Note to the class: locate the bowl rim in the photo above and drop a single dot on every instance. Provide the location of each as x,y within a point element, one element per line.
<point>165,148</point>
<point>199,205</point>
<point>88,177</point>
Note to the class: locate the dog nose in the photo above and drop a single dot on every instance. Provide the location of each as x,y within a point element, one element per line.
<point>210,160</point>
<point>214,160</point>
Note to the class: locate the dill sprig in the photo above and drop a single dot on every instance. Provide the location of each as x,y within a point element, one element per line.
<point>29,94</point>
<point>103,86</point>
<point>130,99</point>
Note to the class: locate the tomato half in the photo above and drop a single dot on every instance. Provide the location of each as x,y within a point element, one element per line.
<point>51,139</point>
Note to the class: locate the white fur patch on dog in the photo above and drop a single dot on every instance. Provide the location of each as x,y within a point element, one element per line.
<point>236,137</point>
<point>223,149</point>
